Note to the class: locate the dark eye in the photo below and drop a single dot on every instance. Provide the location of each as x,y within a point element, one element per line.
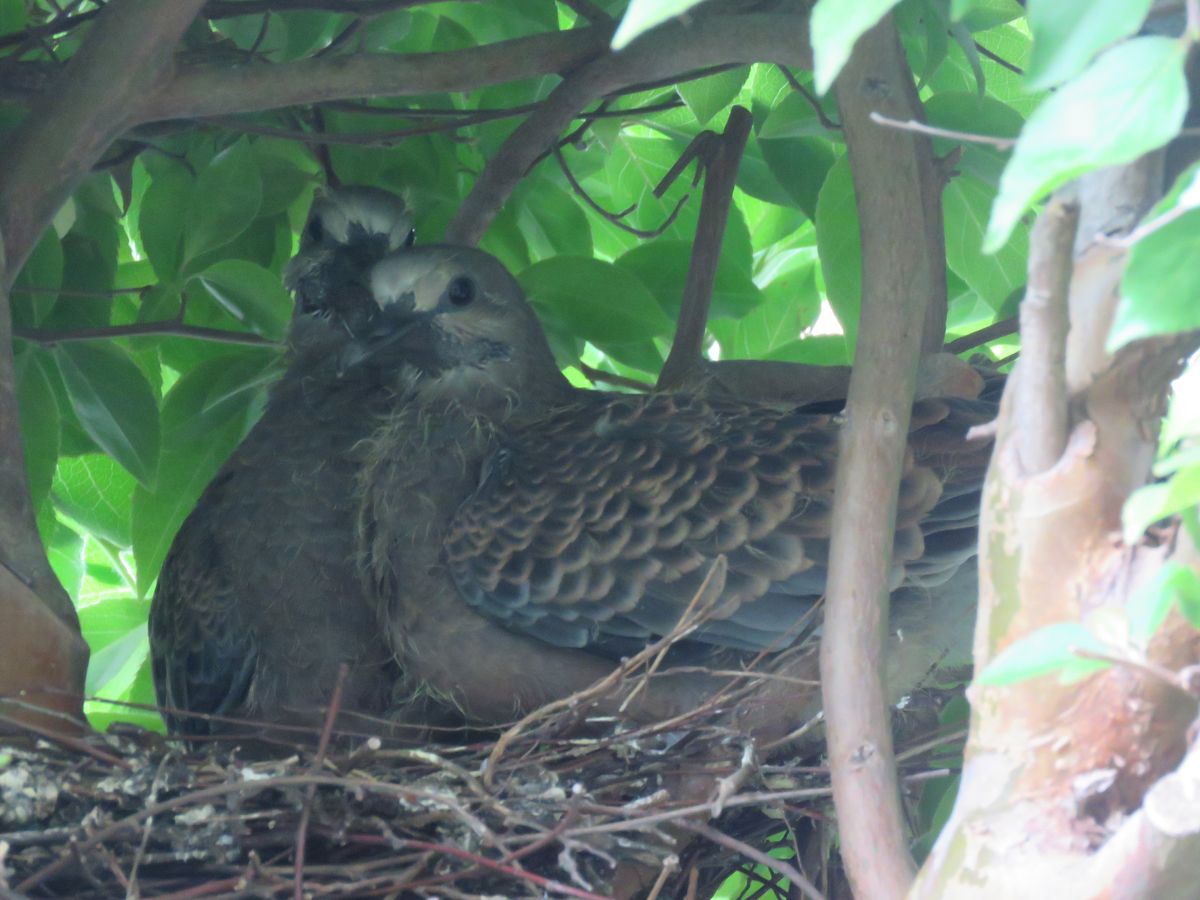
<point>314,229</point>
<point>412,236</point>
<point>461,291</point>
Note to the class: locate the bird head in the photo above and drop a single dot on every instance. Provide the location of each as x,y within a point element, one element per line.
<point>457,319</point>
<point>349,229</point>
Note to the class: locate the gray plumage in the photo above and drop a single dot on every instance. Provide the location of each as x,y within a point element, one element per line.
<point>259,601</point>
<point>520,535</point>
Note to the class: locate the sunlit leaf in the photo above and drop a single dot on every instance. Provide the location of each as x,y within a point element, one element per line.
<point>1131,100</point>
<point>251,294</point>
<point>1068,33</point>
<point>642,15</point>
<point>993,276</point>
<point>706,97</point>
<point>835,26</point>
<point>1147,609</point>
<point>840,247</point>
<point>1046,651</point>
<point>114,403</point>
<point>41,430</point>
<point>1160,289</point>
<point>96,492</point>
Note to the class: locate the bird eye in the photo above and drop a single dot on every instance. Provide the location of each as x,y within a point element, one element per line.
<point>315,230</point>
<point>412,236</point>
<point>461,291</point>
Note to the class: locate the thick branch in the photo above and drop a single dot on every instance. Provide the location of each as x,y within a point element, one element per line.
<point>720,173</point>
<point>94,100</point>
<point>669,50</point>
<point>893,182</point>
<point>42,656</point>
<point>1041,380</point>
<point>219,89</point>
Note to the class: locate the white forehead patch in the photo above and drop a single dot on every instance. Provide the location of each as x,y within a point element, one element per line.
<point>377,211</point>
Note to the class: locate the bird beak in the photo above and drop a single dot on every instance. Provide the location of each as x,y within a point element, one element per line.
<point>391,337</point>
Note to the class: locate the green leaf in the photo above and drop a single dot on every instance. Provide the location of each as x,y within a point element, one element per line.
<point>106,621</point>
<point>835,26</point>
<point>13,17</point>
<point>1147,609</point>
<point>981,15</point>
<point>662,265</point>
<point>112,670</point>
<point>41,431</point>
<point>1047,650</point>
<point>36,288</point>
<point>800,165</point>
<point>840,247</point>
<point>287,171</point>
<point>227,197</point>
<point>1160,289</point>
<point>161,218</point>
<point>1143,508</point>
<point>597,302</point>
<point>971,113</point>
<point>251,294</point>
<point>994,276</point>
<point>95,492</point>
<point>642,15</point>
<point>789,305</point>
<point>114,403</point>
<point>706,97</point>
<point>792,117</point>
<point>64,549</point>
<point>553,223</point>
<point>1129,101</point>
<point>205,416</point>
<point>1068,33</point>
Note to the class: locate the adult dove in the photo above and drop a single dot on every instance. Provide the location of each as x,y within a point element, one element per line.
<point>521,535</point>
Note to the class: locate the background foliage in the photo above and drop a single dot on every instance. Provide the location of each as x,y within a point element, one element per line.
<point>150,320</point>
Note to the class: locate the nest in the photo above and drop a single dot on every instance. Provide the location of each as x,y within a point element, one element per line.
<point>556,806</point>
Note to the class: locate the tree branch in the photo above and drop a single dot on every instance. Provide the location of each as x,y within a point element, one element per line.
<point>672,48</point>
<point>94,99</point>
<point>218,89</point>
<point>720,173</point>
<point>893,182</point>
<point>1040,382</point>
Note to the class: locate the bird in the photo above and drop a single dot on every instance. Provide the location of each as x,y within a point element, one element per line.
<point>520,536</point>
<point>258,602</point>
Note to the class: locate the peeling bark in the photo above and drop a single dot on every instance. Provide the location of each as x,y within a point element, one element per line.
<point>1053,770</point>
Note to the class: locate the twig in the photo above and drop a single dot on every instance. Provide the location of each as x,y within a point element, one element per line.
<point>132,889</point>
<point>810,98</point>
<point>999,60</point>
<point>933,131</point>
<point>171,328</point>
<point>612,217</point>
<point>715,572</point>
<point>720,175</point>
<point>599,375</point>
<point>705,42</point>
<point>996,330</point>
<point>669,865</point>
<point>335,704</point>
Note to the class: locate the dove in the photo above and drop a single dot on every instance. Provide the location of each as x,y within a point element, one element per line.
<point>258,602</point>
<point>520,536</point>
